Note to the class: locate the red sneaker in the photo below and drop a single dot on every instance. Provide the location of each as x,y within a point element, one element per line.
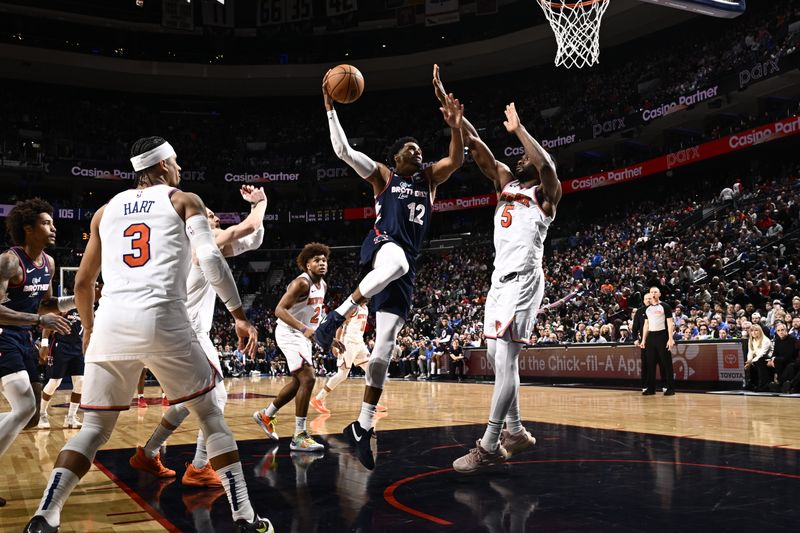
<point>319,405</point>
<point>201,477</point>
<point>153,466</point>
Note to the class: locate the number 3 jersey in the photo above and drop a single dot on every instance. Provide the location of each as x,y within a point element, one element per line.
<point>146,256</point>
<point>403,214</point>
<point>520,229</point>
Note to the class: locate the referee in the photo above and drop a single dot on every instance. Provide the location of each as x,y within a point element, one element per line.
<point>657,341</point>
<point>636,332</point>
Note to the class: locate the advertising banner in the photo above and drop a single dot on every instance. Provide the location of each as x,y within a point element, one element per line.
<point>439,206</point>
<point>745,139</point>
<point>691,362</point>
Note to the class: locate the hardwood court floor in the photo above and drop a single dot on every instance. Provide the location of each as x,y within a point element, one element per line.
<point>99,504</point>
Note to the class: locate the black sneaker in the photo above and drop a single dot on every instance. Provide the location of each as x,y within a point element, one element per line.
<point>361,440</point>
<point>2,502</point>
<point>258,525</point>
<point>648,393</point>
<point>669,392</point>
<point>39,525</point>
<point>327,329</point>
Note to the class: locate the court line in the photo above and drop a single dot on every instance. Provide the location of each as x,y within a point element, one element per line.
<point>161,519</point>
<point>391,499</point>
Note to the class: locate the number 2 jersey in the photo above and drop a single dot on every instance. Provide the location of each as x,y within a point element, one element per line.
<point>146,256</point>
<point>520,229</point>
<point>308,311</point>
<point>403,214</point>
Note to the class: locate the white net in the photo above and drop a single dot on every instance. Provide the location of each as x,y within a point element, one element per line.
<point>577,30</point>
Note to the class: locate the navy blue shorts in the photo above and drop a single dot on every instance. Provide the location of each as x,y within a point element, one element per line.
<point>64,363</point>
<point>18,353</point>
<point>397,297</point>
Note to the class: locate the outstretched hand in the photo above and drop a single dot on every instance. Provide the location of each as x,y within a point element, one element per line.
<point>246,330</point>
<point>453,111</point>
<point>325,94</point>
<point>438,86</point>
<point>512,118</point>
<point>252,194</point>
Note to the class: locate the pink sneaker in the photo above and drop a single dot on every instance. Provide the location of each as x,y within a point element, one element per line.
<point>516,443</point>
<point>478,458</point>
<point>319,405</point>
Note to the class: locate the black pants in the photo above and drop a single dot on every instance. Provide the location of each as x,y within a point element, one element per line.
<point>457,368</point>
<point>644,368</point>
<point>656,353</point>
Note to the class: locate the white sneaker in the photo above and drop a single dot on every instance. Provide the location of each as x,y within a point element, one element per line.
<point>72,422</point>
<point>44,421</point>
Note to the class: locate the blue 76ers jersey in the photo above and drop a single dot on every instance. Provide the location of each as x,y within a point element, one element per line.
<point>26,296</point>
<point>403,212</point>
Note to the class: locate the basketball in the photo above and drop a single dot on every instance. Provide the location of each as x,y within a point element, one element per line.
<point>345,83</point>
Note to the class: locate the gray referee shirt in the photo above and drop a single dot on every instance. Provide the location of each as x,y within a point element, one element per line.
<point>657,316</point>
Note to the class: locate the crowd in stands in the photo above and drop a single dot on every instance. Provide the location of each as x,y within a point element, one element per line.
<point>42,125</point>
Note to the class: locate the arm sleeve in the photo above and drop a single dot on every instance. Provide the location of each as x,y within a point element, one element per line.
<point>362,164</point>
<point>213,265</point>
<point>248,242</point>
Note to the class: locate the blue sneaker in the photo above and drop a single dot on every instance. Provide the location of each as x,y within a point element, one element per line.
<point>326,331</point>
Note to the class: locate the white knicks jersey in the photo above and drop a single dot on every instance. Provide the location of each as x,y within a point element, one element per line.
<point>308,311</point>
<point>520,228</point>
<point>200,300</point>
<point>146,254</point>
<point>354,328</point>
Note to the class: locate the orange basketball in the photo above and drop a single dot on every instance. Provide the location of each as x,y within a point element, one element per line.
<point>345,83</point>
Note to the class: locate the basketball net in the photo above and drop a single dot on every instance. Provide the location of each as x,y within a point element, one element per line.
<point>577,30</point>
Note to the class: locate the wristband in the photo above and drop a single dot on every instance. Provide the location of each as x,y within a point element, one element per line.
<point>45,342</point>
<point>303,331</point>
<point>38,320</point>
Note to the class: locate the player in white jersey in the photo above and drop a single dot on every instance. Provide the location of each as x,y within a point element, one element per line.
<point>298,313</point>
<point>355,352</point>
<point>142,240</point>
<point>527,200</point>
<point>232,241</point>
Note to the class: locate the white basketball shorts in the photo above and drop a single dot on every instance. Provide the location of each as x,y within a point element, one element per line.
<point>511,306</point>
<point>295,347</point>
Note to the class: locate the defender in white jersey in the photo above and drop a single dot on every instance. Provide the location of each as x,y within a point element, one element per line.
<point>232,241</point>
<point>298,313</point>
<point>527,200</point>
<point>143,241</point>
<point>355,352</point>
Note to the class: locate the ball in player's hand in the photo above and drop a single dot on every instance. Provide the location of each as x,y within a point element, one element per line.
<point>344,83</point>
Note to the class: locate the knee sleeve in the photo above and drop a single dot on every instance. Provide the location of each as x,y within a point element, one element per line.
<point>52,386</point>
<point>340,376</point>
<point>387,326</point>
<point>77,384</point>
<point>176,414</point>
<point>221,395</point>
<point>506,378</point>
<point>219,438</point>
<point>17,389</point>
<point>390,264</point>
<point>96,430</point>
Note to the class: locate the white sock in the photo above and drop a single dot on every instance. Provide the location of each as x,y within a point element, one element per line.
<point>271,410</point>
<point>73,410</point>
<point>491,438</point>
<point>157,440</point>
<point>367,415</point>
<point>299,424</point>
<point>236,489</point>
<point>43,405</point>
<point>347,306</point>
<point>200,454</point>
<point>513,421</point>
<point>59,487</point>
<point>321,395</point>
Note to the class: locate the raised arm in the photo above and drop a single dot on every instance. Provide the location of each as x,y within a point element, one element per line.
<point>452,111</point>
<point>190,207</point>
<point>249,233</point>
<point>497,172</point>
<point>377,174</point>
<point>537,155</point>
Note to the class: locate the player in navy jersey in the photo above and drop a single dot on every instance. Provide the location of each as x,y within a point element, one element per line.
<point>26,300</point>
<point>404,197</point>
<point>64,357</point>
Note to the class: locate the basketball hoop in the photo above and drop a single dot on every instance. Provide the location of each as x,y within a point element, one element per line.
<point>577,30</point>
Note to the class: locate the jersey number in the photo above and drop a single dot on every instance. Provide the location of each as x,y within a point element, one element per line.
<point>140,246</point>
<point>505,218</point>
<point>315,318</point>
<point>416,212</point>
